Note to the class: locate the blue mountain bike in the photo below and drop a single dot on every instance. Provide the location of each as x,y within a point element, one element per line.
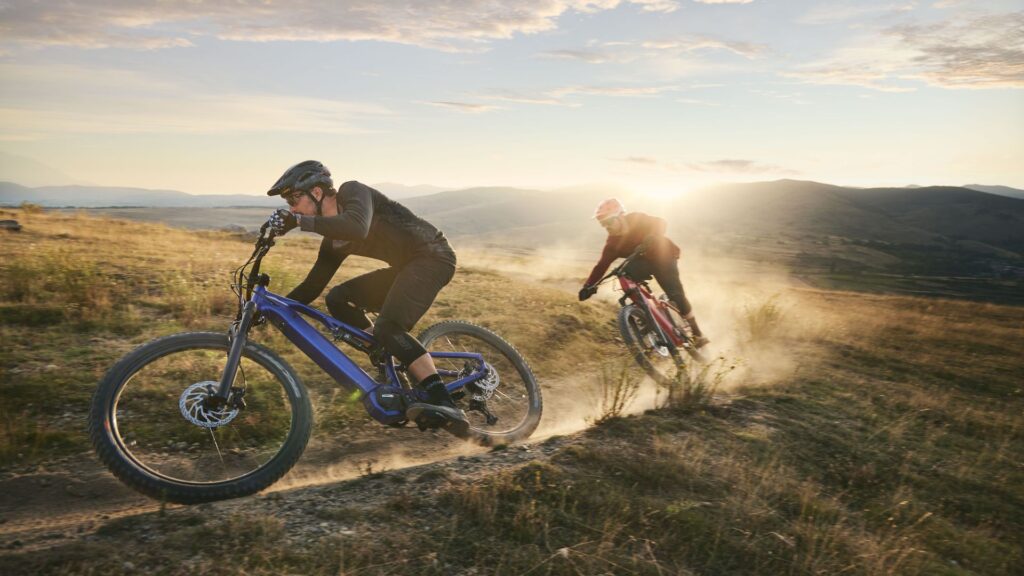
<point>203,416</point>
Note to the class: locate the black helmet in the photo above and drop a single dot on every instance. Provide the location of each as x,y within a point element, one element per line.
<point>303,176</point>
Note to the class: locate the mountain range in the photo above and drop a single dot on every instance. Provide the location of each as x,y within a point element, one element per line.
<point>79,196</point>
<point>937,230</point>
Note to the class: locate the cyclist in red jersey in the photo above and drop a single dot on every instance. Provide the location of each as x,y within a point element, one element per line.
<point>627,231</point>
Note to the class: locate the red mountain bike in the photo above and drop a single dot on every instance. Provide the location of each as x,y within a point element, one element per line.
<point>653,329</point>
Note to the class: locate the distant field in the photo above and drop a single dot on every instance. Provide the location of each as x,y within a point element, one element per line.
<point>194,218</point>
<point>819,260</point>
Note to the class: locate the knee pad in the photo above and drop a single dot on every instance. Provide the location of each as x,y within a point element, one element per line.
<point>397,341</point>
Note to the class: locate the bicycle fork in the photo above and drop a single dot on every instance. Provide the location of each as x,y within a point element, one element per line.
<point>237,335</point>
<point>665,338</point>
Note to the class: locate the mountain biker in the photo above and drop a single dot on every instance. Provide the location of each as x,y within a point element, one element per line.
<point>626,232</point>
<point>358,220</point>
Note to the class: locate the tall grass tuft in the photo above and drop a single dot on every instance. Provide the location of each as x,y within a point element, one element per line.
<point>619,387</point>
<point>762,321</point>
<point>696,383</point>
<point>28,208</point>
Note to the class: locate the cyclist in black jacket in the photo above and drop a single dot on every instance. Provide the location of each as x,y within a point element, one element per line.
<point>359,220</point>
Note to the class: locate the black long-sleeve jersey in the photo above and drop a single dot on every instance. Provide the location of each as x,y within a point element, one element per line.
<point>368,224</point>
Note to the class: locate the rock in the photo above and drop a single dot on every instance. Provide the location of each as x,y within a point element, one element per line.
<point>11,225</point>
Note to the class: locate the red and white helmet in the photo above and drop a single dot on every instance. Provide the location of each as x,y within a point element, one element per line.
<point>609,208</point>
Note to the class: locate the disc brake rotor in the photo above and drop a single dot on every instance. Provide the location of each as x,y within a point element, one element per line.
<point>652,343</point>
<point>193,406</point>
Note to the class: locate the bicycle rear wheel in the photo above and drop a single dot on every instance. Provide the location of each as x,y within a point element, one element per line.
<point>509,392</point>
<point>152,428</point>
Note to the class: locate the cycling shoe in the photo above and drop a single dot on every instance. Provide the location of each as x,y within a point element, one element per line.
<point>428,416</point>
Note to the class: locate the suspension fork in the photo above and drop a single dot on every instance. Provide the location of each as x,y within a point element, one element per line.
<point>640,299</point>
<point>237,335</point>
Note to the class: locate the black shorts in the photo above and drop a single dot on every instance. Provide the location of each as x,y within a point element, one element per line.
<point>400,294</point>
<point>667,274</point>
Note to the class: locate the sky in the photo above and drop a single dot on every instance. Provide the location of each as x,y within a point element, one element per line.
<point>657,96</point>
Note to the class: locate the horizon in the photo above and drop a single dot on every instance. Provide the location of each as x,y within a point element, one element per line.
<point>559,189</point>
<point>655,96</point>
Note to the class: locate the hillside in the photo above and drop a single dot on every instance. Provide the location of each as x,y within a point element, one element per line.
<point>1001,190</point>
<point>944,241</point>
<point>848,433</point>
<point>103,196</point>
<point>78,196</point>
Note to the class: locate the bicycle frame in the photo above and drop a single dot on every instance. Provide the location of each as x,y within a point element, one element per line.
<point>287,316</point>
<point>642,296</point>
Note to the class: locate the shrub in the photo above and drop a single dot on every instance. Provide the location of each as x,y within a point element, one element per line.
<point>619,387</point>
<point>763,321</point>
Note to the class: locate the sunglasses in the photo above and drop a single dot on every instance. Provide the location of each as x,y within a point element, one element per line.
<point>293,198</point>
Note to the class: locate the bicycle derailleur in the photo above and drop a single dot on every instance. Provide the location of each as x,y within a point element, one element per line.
<point>480,391</point>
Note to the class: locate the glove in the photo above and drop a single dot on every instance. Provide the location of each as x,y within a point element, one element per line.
<point>587,292</point>
<point>281,221</point>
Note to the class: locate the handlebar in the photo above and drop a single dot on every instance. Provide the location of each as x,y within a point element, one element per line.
<point>245,282</point>
<point>618,270</point>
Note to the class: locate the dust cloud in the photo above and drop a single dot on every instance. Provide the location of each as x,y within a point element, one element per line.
<point>753,313</point>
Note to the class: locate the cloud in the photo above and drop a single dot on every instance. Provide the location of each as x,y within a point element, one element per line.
<point>151,24</point>
<point>631,91</point>
<point>543,99</point>
<point>794,97</point>
<point>640,160</point>
<point>745,49</point>
<point>559,96</point>
<point>467,107</point>
<point>736,166</point>
<point>985,51</point>
<point>844,11</point>
<point>588,56</point>
<point>37,103</point>
<point>723,166</point>
<point>696,102</point>
<point>723,1</point>
<point>658,5</point>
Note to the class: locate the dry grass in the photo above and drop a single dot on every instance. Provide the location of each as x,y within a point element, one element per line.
<point>77,292</point>
<point>893,445</point>
<point>619,387</point>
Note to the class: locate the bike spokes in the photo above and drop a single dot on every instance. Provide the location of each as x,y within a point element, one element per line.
<point>167,423</point>
<point>499,400</point>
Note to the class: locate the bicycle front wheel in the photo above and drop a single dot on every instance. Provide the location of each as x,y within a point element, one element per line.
<point>503,407</point>
<point>645,345</point>
<point>152,428</point>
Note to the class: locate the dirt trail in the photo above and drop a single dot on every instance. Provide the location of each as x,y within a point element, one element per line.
<point>70,498</point>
